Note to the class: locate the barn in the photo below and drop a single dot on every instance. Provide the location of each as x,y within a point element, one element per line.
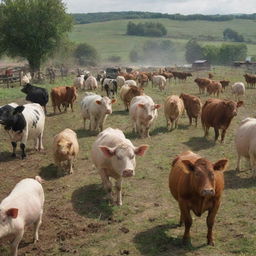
<point>201,65</point>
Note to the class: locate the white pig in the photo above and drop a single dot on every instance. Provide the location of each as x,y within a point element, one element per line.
<point>114,156</point>
<point>22,207</point>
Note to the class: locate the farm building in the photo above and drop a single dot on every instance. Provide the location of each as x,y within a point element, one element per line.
<point>201,64</point>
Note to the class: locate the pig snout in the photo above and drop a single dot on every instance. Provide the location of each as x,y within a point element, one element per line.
<point>128,173</point>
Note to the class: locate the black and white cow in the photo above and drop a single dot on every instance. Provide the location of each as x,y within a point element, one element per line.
<point>36,95</point>
<point>110,86</point>
<point>22,123</point>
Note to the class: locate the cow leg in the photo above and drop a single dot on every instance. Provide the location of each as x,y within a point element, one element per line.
<point>92,123</point>
<point>252,163</point>
<point>70,166</point>
<point>147,132</point>
<point>186,217</point>
<point>196,121</point>
<point>238,163</point>
<point>84,122</point>
<point>22,147</point>
<point>36,143</point>
<point>45,111</point>
<point>71,105</point>
<point>59,108</point>
<point>106,184</point>
<point>223,135</point>
<point>118,187</point>
<point>210,222</point>
<point>14,146</point>
<point>181,219</point>
<point>216,130</point>
<point>190,120</point>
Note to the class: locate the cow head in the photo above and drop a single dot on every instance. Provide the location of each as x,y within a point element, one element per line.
<point>8,114</point>
<point>123,157</point>
<point>6,217</point>
<point>27,88</point>
<point>106,104</point>
<point>232,107</point>
<point>150,110</point>
<point>64,147</point>
<point>203,174</point>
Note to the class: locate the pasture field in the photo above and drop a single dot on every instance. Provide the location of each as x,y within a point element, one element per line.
<point>77,218</point>
<point>109,37</point>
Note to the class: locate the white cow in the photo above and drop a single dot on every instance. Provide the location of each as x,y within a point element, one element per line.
<point>130,82</point>
<point>143,111</point>
<point>79,82</point>
<point>96,108</point>
<point>22,123</point>
<point>114,156</point>
<point>159,81</point>
<point>238,89</point>
<point>120,81</point>
<point>90,83</point>
<point>245,141</point>
<point>21,208</point>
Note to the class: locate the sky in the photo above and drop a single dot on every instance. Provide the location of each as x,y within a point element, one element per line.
<point>163,6</point>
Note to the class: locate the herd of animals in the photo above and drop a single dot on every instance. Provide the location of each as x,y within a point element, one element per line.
<point>194,181</point>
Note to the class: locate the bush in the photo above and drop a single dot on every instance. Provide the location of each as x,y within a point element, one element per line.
<point>193,51</point>
<point>86,55</point>
<point>231,35</point>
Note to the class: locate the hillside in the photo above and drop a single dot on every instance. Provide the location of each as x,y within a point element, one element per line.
<point>109,37</point>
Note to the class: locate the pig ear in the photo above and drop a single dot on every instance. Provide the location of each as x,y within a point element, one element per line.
<point>239,104</point>
<point>140,151</point>
<point>157,106</point>
<point>189,166</point>
<point>98,102</point>
<point>220,165</point>
<point>18,109</point>
<point>113,101</point>
<point>141,105</point>
<point>108,152</point>
<point>13,212</point>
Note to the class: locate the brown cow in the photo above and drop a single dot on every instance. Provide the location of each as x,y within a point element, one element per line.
<point>63,95</point>
<point>130,94</point>
<point>250,79</point>
<point>218,114</point>
<point>224,83</point>
<point>197,185</point>
<point>214,88</point>
<point>210,75</point>
<point>202,83</point>
<point>192,105</point>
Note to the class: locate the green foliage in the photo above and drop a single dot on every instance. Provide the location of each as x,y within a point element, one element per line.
<point>86,55</point>
<point>146,29</point>
<point>193,51</point>
<point>212,54</point>
<point>32,29</point>
<point>84,18</point>
<point>231,35</point>
<point>115,58</point>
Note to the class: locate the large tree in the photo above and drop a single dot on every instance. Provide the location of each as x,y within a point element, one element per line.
<point>32,29</point>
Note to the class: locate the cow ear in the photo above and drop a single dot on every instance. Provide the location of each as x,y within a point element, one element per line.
<point>140,151</point>
<point>239,104</point>
<point>189,165</point>
<point>157,106</point>
<point>98,102</point>
<point>12,212</point>
<point>141,105</point>
<point>220,165</point>
<point>108,152</point>
<point>113,101</point>
<point>18,109</point>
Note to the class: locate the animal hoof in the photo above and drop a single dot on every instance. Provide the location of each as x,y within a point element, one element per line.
<point>210,243</point>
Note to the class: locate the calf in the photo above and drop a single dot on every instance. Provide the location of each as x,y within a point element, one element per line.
<point>143,112</point>
<point>63,95</point>
<point>79,82</point>
<point>214,88</point>
<point>173,109</point>
<point>160,81</point>
<point>96,108</point>
<point>23,123</point>
<point>21,208</point>
<point>218,114</point>
<point>224,83</point>
<point>197,185</point>
<point>192,105</point>
<point>90,83</point>
<point>202,84</point>
<point>110,86</point>
<point>114,156</point>
<point>36,95</point>
<point>245,142</point>
<point>65,148</point>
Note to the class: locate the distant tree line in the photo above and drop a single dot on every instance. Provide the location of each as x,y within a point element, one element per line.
<point>83,18</point>
<point>146,29</point>
<point>224,54</point>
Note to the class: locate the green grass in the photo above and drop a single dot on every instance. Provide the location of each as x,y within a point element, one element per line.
<point>79,221</point>
<point>109,37</point>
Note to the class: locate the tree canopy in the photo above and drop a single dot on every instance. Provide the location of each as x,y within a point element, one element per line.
<point>32,29</point>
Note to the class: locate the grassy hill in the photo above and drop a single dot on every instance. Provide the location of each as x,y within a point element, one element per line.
<point>109,37</point>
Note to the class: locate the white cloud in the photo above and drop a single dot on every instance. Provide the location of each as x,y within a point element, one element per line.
<point>164,6</point>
